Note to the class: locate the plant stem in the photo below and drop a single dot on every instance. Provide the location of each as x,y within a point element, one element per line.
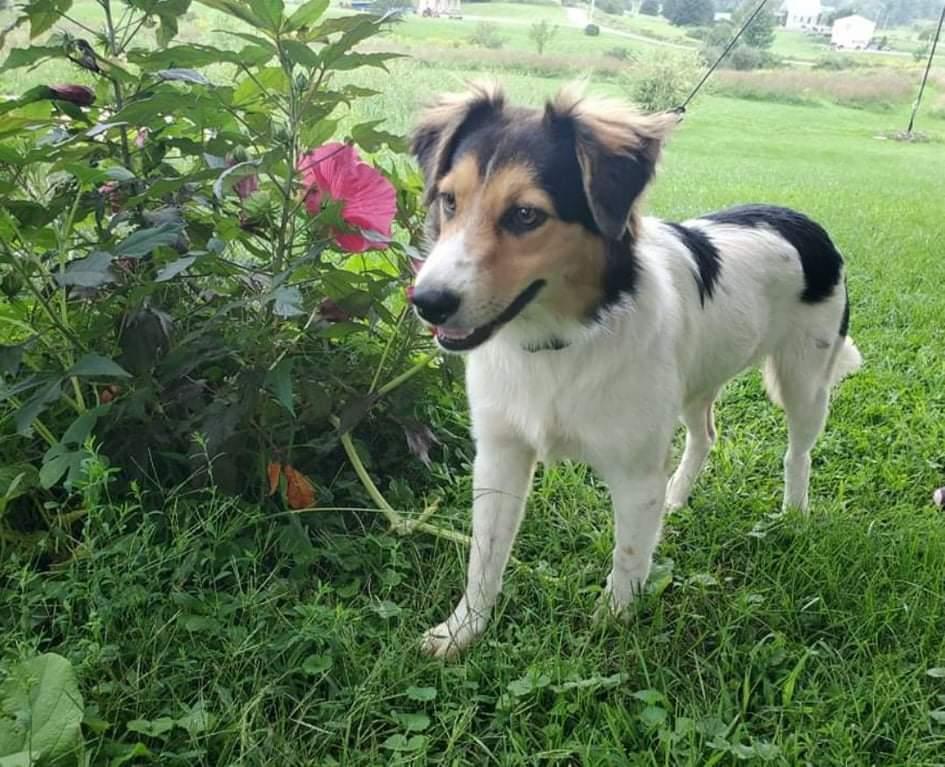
<point>423,362</point>
<point>390,341</point>
<point>41,429</point>
<point>398,523</point>
<point>113,50</point>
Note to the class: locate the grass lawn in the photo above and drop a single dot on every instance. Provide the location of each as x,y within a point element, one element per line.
<point>764,638</point>
<point>568,40</point>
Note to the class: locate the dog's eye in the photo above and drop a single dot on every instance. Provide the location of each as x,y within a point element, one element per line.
<point>523,218</point>
<point>448,201</point>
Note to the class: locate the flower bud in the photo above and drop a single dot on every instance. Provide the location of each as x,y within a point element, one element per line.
<point>80,95</point>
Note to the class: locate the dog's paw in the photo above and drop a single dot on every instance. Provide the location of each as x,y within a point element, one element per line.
<point>676,497</point>
<point>447,641</point>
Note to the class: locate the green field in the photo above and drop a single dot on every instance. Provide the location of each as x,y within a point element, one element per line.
<point>764,638</point>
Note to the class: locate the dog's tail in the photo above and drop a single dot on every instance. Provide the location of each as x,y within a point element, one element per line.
<point>846,360</point>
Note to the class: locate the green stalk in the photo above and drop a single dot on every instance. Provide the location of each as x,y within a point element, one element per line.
<point>423,362</point>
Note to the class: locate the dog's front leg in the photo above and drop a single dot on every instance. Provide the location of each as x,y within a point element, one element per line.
<point>502,474</point>
<point>638,517</point>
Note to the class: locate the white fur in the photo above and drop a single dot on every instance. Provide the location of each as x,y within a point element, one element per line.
<point>612,398</point>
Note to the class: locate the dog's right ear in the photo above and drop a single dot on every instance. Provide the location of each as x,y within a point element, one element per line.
<point>444,124</point>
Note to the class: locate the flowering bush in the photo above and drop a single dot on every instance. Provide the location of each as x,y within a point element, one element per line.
<point>175,258</point>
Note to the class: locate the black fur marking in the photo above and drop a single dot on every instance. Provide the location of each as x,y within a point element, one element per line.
<point>553,344</point>
<point>820,260</point>
<point>704,253</point>
<point>621,270</point>
<point>845,320</point>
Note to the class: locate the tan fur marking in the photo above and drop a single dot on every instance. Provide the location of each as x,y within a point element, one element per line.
<point>567,256</point>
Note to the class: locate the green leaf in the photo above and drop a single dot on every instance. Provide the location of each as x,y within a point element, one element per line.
<point>197,720</point>
<point>41,713</point>
<point>355,60</point>
<point>271,80</point>
<point>653,716</point>
<point>91,272</point>
<point>17,480</point>
<point>288,301</point>
<point>95,365</point>
<point>316,665</point>
<point>595,682</point>
<point>938,715</point>
<point>650,697</point>
<point>55,467</point>
<point>403,743</point>
<point>937,672</point>
<point>236,8</point>
<point>44,13</point>
<point>422,694</point>
<point>317,132</point>
<point>80,428</point>
<point>195,55</point>
<point>153,728</point>
<point>35,405</point>
<point>528,684</point>
<point>123,753</point>
<point>279,382</point>
<point>142,242</point>
<point>270,11</point>
<point>10,358</point>
<point>174,268</point>
<point>368,137</point>
<point>35,54</point>
<point>300,53</point>
<point>183,75</point>
<point>412,721</point>
<point>387,609</point>
<point>306,14</point>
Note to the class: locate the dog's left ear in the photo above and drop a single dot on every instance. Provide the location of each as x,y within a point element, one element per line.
<point>617,150</point>
<point>445,122</point>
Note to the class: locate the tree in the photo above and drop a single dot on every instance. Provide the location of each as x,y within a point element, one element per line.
<point>692,13</point>
<point>650,8</point>
<point>541,33</point>
<point>669,8</point>
<point>760,33</point>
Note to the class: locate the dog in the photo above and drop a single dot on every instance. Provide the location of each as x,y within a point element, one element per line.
<point>590,330</point>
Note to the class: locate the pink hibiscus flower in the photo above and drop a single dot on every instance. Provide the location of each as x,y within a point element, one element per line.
<point>368,200</point>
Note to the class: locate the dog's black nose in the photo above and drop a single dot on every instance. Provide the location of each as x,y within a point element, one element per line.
<point>436,306</point>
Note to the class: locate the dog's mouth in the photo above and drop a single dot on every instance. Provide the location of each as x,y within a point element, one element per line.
<point>465,339</point>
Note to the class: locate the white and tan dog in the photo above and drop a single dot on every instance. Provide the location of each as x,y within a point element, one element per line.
<point>591,331</point>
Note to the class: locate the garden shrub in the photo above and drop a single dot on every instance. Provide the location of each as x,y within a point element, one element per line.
<point>662,82</point>
<point>487,35</point>
<point>203,274</point>
<point>592,30</point>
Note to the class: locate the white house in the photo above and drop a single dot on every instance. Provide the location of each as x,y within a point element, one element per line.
<point>801,14</point>
<point>439,7</point>
<point>852,32</point>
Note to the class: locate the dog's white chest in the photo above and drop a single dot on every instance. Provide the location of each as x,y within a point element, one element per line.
<point>546,397</point>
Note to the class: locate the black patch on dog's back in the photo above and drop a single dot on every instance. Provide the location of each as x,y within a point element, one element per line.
<point>704,253</point>
<point>820,260</point>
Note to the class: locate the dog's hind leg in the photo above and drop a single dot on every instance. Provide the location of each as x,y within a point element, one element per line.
<point>799,377</point>
<point>700,436</point>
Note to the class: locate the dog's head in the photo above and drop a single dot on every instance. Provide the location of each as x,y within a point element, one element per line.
<point>528,208</point>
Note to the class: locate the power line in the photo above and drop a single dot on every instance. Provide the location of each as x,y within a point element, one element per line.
<point>925,77</point>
